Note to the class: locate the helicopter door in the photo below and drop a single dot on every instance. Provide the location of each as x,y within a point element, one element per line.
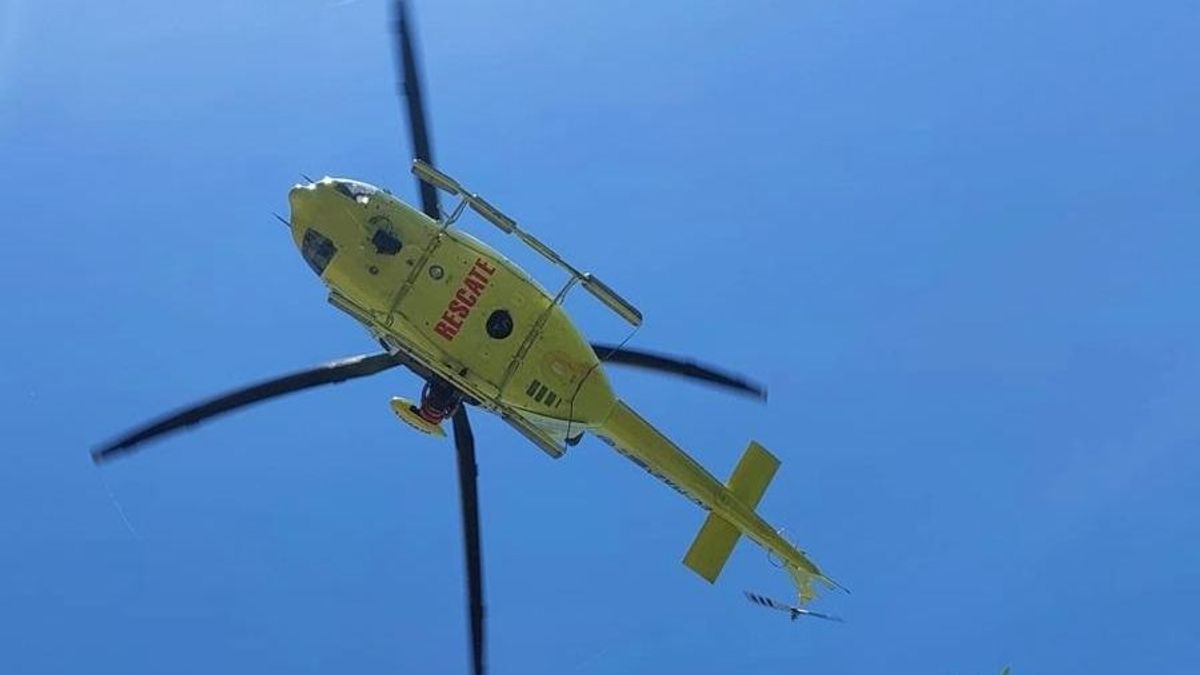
<point>475,307</point>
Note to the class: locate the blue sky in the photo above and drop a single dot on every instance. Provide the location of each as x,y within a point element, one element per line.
<point>958,241</point>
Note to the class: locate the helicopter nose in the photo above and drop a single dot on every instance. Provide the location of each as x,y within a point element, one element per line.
<point>303,200</point>
<point>299,195</point>
<point>316,245</point>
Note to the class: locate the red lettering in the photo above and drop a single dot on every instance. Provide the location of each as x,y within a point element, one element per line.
<point>488,269</point>
<point>465,298</point>
<point>474,285</point>
<point>442,328</point>
<point>458,309</point>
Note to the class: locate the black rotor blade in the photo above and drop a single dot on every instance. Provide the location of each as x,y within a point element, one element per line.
<point>328,373</point>
<point>410,90</point>
<point>678,366</point>
<point>464,444</point>
<point>464,439</point>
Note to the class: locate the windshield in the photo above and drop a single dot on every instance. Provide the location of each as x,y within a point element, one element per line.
<point>359,192</point>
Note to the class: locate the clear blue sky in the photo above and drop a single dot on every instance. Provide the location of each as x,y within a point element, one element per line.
<point>958,241</point>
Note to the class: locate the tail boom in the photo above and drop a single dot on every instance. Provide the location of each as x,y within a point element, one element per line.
<point>731,507</point>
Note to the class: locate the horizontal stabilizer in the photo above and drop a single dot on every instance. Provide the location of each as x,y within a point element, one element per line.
<point>712,547</point>
<point>715,542</point>
<point>754,471</point>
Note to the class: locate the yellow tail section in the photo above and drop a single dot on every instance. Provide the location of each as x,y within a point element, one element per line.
<point>752,475</point>
<point>730,506</point>
<point>712,547</point>
<point>714,544</point>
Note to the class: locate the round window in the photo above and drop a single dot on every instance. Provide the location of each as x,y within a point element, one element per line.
<point>500,324</point>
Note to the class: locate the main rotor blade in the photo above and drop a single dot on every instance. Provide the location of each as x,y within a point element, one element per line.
<point>464,440</point>
<point>464,444</point>
<point>410,90</point>
<point>678,366</point>
<point>328,373</point>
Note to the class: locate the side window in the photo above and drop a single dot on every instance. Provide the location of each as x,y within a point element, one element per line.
<point>385,242</point>
<point>317,250</point>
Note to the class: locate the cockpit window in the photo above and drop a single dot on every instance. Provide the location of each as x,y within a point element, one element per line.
<point>359,192</point>
<point>317,250</point>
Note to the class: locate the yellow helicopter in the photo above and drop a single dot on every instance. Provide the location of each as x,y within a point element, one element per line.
<point>481,333</point>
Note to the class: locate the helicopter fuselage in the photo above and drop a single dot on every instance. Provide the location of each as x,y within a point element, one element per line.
<point>454,305</point>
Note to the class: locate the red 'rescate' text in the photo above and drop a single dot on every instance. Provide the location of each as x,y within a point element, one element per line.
<point>468,294</point>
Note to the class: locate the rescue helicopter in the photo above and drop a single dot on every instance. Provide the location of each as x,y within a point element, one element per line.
<point>482,334</point>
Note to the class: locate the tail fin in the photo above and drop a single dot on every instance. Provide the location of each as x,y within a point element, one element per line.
<point>714,544</point>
